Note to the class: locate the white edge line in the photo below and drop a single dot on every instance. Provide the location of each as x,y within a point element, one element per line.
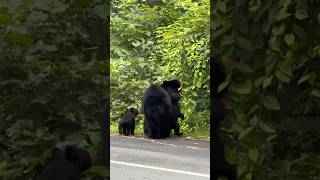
<point>161,169</point>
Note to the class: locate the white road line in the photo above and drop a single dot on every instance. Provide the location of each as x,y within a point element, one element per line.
<point>161,169</point>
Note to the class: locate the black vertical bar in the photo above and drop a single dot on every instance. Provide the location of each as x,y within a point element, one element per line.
<point>107,124</point>
<point>105,119</point>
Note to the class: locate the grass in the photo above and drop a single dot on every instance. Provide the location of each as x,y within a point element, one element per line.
<point>202,133</point>
<point>114,129</point>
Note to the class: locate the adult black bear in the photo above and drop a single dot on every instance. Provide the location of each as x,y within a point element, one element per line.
<point>176,113</point>
<point>127,124</point>
<point>157,107</point>
<point>65,165</point>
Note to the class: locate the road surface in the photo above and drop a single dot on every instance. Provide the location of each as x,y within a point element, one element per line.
<point>174,158</point>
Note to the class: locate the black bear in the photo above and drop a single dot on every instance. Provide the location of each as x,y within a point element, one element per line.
<point>127,124</point>
<point>176,113</point>
<point>157,107</point>
<point>172,87</point>
<point>219,166</point>
<point>65,165</point>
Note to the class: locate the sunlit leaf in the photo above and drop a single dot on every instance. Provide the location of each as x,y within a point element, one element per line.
<point>253,154</point>
<point>282,77</point>
<point>301,14</point>
<point>303,78</point>
<point>271,102</point>
<point>222,86</point>
<point>315,93</point>
<point>244,88</point>
<point>289,39</point>
<point>267,81</point>
<point>245,132</point>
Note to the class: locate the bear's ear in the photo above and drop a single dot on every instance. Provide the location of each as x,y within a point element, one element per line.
<point>175,84</point>
<point>71,153</point>
<point>164,84</point>
<point>132,110</point>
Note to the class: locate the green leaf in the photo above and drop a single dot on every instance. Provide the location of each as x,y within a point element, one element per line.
<point>244,68</point>
<point>244,43</point>
<point>245,132</point>
<point>267,81</point>
<point>265,127</point>
<point>282,14</point>
<point>258,82</point>
<point>270,62</point>
<point>136,44</point>
<point>315,93</point>
<point>5,20</point>
<point>18,38</point>
<point>284,68</point>
<point>300,32</point>
<point>275,44</point>
<point>222,86</point>
<point>254,5</point>
<point>241,118</point>
<point>222,6</point>
<point>253,154</point>
<point>303,79</point>
<point>301,14</point>
<point>286,3</point>
<point>194,93</point>
<point>290,55</point>
<point>253,109</point>
<point>289,39</point>
<point>271,103</point>
<point>221,30</point>
<point>278,30</point>
<point>282,77</point>
<point>244,88</point>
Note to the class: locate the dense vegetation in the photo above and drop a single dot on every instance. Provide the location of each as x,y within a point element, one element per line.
<point>52,81</point>
<point>53,76</point>
<point>152,41</point>
<point>273,128</point>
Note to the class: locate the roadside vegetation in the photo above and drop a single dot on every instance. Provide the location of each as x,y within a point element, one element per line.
<point>152,41</point>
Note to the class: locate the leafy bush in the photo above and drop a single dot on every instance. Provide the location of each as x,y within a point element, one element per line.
<point>273,130</point>
<point>53,81</point>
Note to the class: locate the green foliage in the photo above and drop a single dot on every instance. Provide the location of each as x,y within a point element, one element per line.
<point>152,42</point>
<point>53,81</point>
<point>272,131</point>
<point>184,51</point>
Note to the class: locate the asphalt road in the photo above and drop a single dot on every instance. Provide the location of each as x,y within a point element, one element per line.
<point>174,158</point>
